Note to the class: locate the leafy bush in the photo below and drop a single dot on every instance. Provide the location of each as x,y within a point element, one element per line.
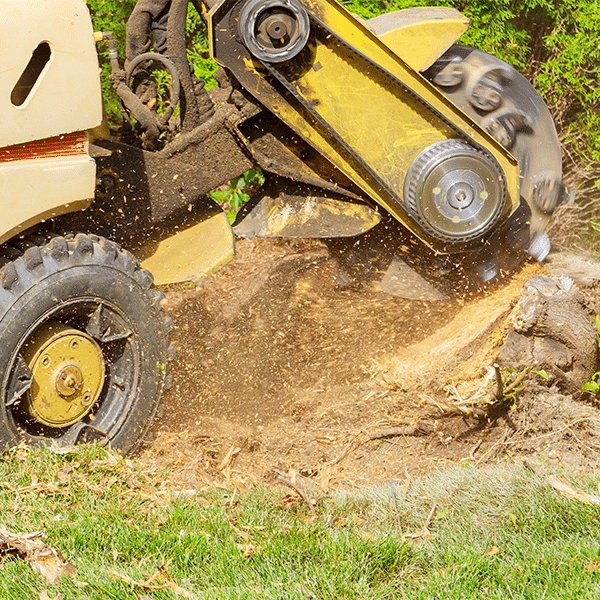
<point>230,197</point>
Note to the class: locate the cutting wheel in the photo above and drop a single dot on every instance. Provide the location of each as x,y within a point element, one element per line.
<point>509,108</point>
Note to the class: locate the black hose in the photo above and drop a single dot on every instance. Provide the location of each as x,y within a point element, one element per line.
<point>171,69</point>
<point>190,114</point>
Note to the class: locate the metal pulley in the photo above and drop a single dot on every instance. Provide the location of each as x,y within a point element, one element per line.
<point>274,30</point>
<point>456,192</point>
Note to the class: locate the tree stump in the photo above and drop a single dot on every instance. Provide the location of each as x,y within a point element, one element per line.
<point>552,329</point>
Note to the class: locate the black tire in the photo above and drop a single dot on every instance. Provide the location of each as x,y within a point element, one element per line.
<point>79,308</point>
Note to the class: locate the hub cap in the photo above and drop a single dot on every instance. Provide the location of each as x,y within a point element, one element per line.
<point>68,374</point>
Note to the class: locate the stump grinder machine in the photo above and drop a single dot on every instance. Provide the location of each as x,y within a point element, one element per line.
<point>383,137</point>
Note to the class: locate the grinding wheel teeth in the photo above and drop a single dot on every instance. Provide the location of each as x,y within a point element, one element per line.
<point>11,253</point>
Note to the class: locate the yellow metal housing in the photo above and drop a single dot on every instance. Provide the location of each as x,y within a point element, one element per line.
<point>188,254</point>
<point>419,36</point>
<point>352,86</point>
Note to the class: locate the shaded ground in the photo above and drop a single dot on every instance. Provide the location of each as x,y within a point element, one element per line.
<point>282,370</point>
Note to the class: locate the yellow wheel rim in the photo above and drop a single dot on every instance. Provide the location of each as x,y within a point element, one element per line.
<point>68,374</point>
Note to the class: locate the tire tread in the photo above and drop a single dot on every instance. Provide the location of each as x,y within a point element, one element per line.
<point>25,262</point>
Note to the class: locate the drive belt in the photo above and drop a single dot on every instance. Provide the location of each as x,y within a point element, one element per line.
<point>331,131</point>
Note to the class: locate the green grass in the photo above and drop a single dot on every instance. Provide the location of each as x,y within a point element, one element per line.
<point>496,534</point>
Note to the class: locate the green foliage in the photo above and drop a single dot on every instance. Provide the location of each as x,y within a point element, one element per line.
<point>233,196</point>
<point>514,380</point>
<point>594,384</point>
<point>198,54</point>
<point>112,16</point>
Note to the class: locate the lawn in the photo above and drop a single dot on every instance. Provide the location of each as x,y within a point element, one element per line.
<point>502,532</point>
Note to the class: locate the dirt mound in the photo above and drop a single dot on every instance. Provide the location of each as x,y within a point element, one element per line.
<point>280,369</point>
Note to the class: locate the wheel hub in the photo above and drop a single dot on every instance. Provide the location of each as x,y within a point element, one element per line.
<point>69,381</point>
<point>460,195</point>
<point>455,192</point>
<point>68,374</point>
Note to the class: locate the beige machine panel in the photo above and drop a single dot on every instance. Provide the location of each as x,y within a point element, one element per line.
<point>49,81</point>
<point>34,190</point>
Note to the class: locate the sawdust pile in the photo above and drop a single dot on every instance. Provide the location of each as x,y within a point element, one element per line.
<point>281,370</point>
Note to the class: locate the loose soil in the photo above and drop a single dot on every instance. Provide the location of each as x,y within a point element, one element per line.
<point>281,370</point>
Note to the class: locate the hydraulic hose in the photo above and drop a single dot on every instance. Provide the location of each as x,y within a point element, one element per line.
<point>176,48</point>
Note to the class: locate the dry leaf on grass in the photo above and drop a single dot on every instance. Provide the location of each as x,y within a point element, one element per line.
<point>593,567</point>
<point>289,500</point>
<point>247,550</point>
<point>45,561</point>
<point>125,578</point>
<point>178,590</point>
<point>161,575</point>
<point>492,551</point>
<point>562,486</point>
<point>358,520</point>
<point>424,534</point>
<point>242,534</point>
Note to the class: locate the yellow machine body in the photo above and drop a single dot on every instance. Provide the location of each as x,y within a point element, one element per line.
<point>419,36</point>
<point>188,254</point>
<point>358,103</point>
